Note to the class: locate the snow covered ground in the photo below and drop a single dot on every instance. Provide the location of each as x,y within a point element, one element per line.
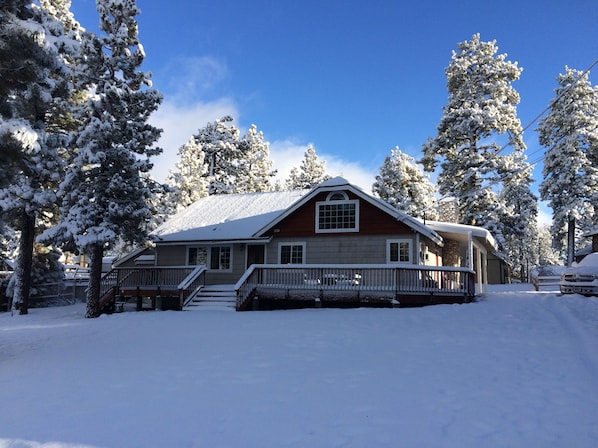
<point>518,369</point>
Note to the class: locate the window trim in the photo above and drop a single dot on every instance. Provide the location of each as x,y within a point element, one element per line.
<point>197,248</point>
<point>230,258</point>
<point>303,244</point>
<point>208,249</point>
<point>319,204</point>
<point>399,241</point>
<point>332,194</point>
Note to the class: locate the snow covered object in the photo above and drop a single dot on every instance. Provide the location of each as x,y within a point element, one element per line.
<point>569,132</point>
<point>518,230</point>
<point>106,190</point>
<point>217,160</point>
<point>35,55</point>
<point>582,277</point>
<point>255,173</point>
<point>309,174</point>
<point>403,185</point>
<point>219,143</point>
<point>481,107</point>
<point>188,181</point>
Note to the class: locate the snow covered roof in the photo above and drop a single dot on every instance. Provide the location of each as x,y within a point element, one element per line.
<point>592,232</point>
<point>240,217</point>
<point>226,217</point>
<point>460,231</point>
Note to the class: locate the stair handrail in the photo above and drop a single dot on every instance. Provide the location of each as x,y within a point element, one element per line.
<point>245,287</point>
<point>190,284</point>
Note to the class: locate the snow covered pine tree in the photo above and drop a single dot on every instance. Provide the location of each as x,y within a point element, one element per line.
<point>310,173</point>
<point>569,132</point>
<point>481,107</point>
<point>106,190</point>
<point>403,185</point>
<point>34,96</point>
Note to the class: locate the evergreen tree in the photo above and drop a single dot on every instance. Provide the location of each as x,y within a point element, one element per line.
<point>34,103</point>
<point>519,228</point>
<point>569,132</point>
<point>547,255</point>
<point>311,172</point>
<point>217,160</point>
<point>403,185</point>
<point>189,181</point>
<point>481,106</point>
<point>255,173</point>
<point>106,189</point>
<point>219,142</point>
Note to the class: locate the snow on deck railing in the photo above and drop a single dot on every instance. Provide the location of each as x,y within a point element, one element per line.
<point>404,279</point>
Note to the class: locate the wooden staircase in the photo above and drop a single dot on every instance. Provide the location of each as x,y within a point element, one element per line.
<point>213,297</point>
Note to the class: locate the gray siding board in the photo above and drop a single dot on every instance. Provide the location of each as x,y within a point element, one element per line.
<point>350,249</point>
<point>172,256</point>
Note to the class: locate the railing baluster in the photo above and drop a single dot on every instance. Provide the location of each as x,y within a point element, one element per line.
<point>408,279</point>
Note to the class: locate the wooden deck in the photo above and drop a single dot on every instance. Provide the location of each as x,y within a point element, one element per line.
<point>265,287</point>
<point>279,298</point>
<point>154,287</point>
<point>278,287</point>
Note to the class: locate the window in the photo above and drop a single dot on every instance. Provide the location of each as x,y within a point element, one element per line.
<point>337,196</point>
<point>198,256</point>
<point>291,253</point>
<point>337,214</point>
<point>218,257</point>
<point>398,251</point>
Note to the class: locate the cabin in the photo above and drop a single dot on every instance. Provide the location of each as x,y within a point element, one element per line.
<point>333,245</point>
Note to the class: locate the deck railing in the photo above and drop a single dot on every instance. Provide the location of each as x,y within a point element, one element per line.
<point>184,279</point>
<point>356,279</point>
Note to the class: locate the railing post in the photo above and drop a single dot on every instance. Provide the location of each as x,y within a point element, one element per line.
<point>156,297</point>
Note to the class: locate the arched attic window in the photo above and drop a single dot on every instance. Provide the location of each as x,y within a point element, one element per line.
<point>337,196</point>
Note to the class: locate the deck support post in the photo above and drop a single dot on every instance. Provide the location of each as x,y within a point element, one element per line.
<point>157,298</point>
<point>255,303</point>
<point>139,300</point>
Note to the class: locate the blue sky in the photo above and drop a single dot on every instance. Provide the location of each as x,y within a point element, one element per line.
<point>353,78</point>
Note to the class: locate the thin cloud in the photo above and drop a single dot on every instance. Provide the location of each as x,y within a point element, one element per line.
<point>192,78</point>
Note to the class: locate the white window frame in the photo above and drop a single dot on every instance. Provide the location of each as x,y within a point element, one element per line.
<point>230,258</point>
<point>400,241</point>
<point>292,243</point>
<point>320,204</point>
<point>208,250</point>
<point>198,248</point>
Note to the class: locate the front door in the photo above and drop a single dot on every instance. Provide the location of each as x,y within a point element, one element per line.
<point>255,254</point>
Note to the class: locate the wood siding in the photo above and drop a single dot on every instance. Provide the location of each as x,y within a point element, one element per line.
<point>171,255</point>
<point>372,221</point>
<point>340,249</point>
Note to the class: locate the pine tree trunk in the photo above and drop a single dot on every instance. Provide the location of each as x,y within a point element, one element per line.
<point>24,262</point>
<point>95,277</point>
<point>570,240</point>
